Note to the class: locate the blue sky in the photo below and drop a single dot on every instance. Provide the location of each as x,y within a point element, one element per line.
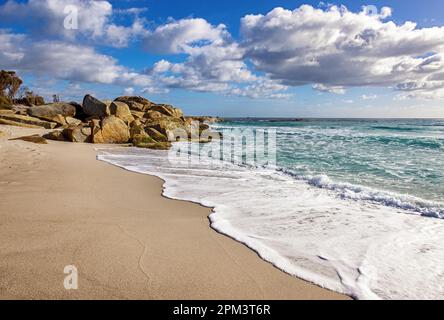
<point>235,58</point>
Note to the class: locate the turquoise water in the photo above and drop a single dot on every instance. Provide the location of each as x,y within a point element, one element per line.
<point>348,207</point>
<point>401,156</point>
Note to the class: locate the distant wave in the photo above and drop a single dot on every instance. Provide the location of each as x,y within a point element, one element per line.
<point>354,192</point>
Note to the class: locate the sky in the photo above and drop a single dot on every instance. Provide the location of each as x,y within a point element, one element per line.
<point>243,58</point>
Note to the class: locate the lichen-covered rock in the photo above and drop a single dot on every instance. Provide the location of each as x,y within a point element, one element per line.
<point>72,121</point>
<point>167,125</point>
<point>206,119</point>
<point>167,110</point>
<point>34,139</point>
<point>154,145</point>
<point>55,112</point>
<point>156,135</point>
<point>25,121</point>
<point>55,135</point>
<point>121,111</point>
<point>95,108</point>
<point>137,128</point>
<point>141,139</point>
<point>136,103</point>
<point>152,115</point>
<point>96,131</point>
<point>109,130</point>
<point>79,134</point>
<point>137,114</point>
<point>20,109</point>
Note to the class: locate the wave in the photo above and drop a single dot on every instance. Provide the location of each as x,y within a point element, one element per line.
<point>361,248</point>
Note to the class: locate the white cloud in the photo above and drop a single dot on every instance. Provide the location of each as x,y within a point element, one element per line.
<point>331,89</point>
<point>262,89</point>
<point>336,48</point>
<point>64,61</point>
<point>183,35</point>
<point>129,91</point>
<point>46,18</point>
<point>214,61</point>
<point>369,97</point>
<point>329,49</point>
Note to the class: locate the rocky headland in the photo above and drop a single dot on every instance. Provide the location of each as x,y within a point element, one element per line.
<point>127,119</point>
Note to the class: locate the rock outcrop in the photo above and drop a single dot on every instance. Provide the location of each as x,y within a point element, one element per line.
<point>55,135</point>
<point>121,111</point>
<point>136,103</point>
<point>79,133</point>
<point>205,119</point>
<point>168,110</point>
<point>110,130</point>
<point>34,139</point>
<point>25,121</point>
<point>127,119</point>
<point>94,107</point>
<point>55,112</point>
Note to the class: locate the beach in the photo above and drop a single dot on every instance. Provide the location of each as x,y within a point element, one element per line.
<point>60,206</point>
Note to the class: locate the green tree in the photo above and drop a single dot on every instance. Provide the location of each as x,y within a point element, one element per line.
<point>9,83</point>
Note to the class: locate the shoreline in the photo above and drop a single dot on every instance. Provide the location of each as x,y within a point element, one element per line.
<point>62,206</point>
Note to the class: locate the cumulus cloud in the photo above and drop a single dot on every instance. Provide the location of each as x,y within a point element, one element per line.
<point>214,61</point>
<point>183,35</point>
<point>329,48</point>
<point>334,48</point>
<point>64,61</point>
<point>47,17</point>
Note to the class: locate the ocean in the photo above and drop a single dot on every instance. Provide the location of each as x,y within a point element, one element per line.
<point>355,206</point>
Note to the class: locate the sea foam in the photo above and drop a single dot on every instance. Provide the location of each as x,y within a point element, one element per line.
<point>365,249</point>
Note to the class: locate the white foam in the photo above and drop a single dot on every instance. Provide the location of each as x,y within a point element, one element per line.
<point>360,248</point>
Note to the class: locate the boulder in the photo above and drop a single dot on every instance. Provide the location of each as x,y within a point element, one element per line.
<point>7,111</point>
<point>141,139</point>
<point>80,114</point>
<point>166,125</point>
<point>55,135</point>
<point>167,110</point>
<point>206,119</point>
<point>25,121</point>
<point>137,129</point>
<point>152,115</point>
<point>121,111</point>
<point>136,103</point>
<point>156,135</point>
<point>55,112</point>
<point>96,131</point>
<point>77,134</point>
<point>20,109</point>
<point>95,108</point>
<point>34,139</point>
<point>72,121</point>
<point>18,124</point>
<point>60,120</point>
<point>109,130</point>
<point>153,145</point>
<point>137,114</point>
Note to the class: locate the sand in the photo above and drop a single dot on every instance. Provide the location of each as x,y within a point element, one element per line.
<point>60,206</point>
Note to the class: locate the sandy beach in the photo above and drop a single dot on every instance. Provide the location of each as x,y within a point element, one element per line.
<point>60,206</point>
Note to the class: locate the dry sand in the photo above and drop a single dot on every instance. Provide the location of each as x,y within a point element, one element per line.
<point>60,206</point>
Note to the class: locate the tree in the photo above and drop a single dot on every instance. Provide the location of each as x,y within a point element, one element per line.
<point>9,84</point>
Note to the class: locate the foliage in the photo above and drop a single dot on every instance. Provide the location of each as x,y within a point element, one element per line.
<point>9,84</point>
